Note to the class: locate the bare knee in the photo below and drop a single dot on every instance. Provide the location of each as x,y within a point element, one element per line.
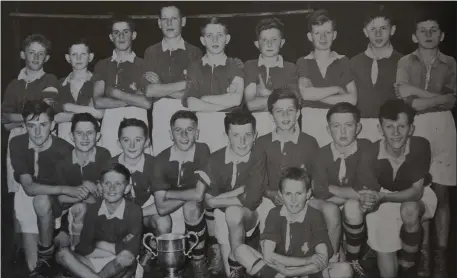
<point>332,213</point>
<point>161,224</point>
<point>125,258</point>
<point>352,212</point>
<point>234,215</point>
<point>62,254</point>
<point>410,212</point>
<point>42,205</point>
<point>192,211</point>
<point>77,211</point>
<point>340,270</point>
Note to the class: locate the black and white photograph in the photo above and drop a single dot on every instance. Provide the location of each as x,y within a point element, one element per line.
<point>228,139</point>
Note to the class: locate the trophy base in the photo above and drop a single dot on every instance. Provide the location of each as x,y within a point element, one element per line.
<point>172,273</point>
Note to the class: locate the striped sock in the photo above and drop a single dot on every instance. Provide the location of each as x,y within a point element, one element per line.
<point>200,229</point>
<point>45,253</point>
<point>355,235</point>
<point>410,247</point>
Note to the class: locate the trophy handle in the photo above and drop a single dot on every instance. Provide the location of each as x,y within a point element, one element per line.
<point>146,236</point>
<point>188,253</point>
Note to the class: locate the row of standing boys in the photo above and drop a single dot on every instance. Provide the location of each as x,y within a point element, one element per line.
<point>373,135</point>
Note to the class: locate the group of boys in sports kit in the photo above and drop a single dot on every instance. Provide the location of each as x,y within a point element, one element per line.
<point>362,151</point>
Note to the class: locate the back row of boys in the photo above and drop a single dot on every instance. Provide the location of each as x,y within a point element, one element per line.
<point>124,85</point>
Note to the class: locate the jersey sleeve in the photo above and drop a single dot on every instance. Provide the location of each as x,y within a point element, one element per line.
<point>250,73</point>
<point>193,75</point>
<point>272,229</point>
<point>402,75</point>
<point>159,181</point>
<point>87,242</point>
<point>320,178</point>
<point>237,68</point>
<point>256,183</point>
<point>9,104</point>
<point>302,68</point>
<point>149,61</point>
<point>132,241</point>
<point>422,160</point>
<point>99,72</point>
<point>320,232</point>
<point>19,160</point>
<point>346,72</point>
<point>451,78</point>
<point>209,177</point>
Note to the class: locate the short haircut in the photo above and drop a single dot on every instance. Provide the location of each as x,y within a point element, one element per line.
<point>183,114</point>
<point>392,108</point>
<point>296,174</point>
<point>344,107</point>
<point>319,18</point>
<point>169,5</point>
<point>126,122</point>
<point>122,18</point>
<point>38,38</point>
<point>282,93</point>
<point>118,168</point>
<point>269,23</point>
<point>213,20</point>
<point>379,12</point>
<point>36,108</point>
<point>80,41</point>
<point>239,117</point>
<point>426,16</point>
<point>84,117</point>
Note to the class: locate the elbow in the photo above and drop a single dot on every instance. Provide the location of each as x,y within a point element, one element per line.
<point>97,104</point>
<point>199,196</point>
<point>162,211</point>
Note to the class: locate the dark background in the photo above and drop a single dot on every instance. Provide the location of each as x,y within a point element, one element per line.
<point>64,31</point>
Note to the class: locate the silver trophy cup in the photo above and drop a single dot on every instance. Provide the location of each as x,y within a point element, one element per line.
<point>171,250</point>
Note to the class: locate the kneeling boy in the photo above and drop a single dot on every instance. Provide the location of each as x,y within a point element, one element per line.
<point>295,240</point>
<point>175,183</point>
<point>111,235</point>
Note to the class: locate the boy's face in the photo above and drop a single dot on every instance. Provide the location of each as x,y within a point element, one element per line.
<point>79,56</point>
<point>428,34</point>
<point>396,132</point>
<point>184,133</point>
<point>294,195</point>
<point>215,38</point>
<point>343,128</point>
<point>241,138</point>
<point>114,186</point>
<point>270,42</point>
<point>85,136</point>
<point>322,36</point>
<point>39,128</point>
<point>379,31</point>
<point>35,55</point>
<point>122,36</point>
<point>170,22</point>
<point>285,114</point>
<point>133,141</point>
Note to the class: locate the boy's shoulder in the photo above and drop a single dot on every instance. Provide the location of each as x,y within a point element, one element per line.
<point>132,209</point>
<point>102,154</point>
<point>153,49</point>
<point>61,146</point>
<point>19,142</point>
<point>236,62</point>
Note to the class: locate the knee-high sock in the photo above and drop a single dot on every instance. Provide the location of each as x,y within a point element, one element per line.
<point>354,239</point>
<point>200,229</point>
<point>410,246</point>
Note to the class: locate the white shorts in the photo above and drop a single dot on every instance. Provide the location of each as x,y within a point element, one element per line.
<point>370,129</point>
<point>439,129</point>
<point>384,225</point>
<point>110,127</point>
<point>25,213</point>
<point>177,217</point>
<point>314,123</point>
<point>210,124</point>
<point>99,263</point>
<point>221,228</point>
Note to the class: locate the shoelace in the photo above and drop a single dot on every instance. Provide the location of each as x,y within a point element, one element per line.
<point>357,267</point>
<point>236,272</point>
<point>39,265</point>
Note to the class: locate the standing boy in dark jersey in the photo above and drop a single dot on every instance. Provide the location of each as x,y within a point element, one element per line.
<point>400,164</point>
<point>111,235</point>
<point>75,90</point>
<point>34,157</point>
<point>374,71</point>
<point>119,84</point>
<point>296,243</point>
<point>324,76</point>
<point>165,63</point>
<point>269,71</point>
<point>215,82</point>
<point>175,186</point>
